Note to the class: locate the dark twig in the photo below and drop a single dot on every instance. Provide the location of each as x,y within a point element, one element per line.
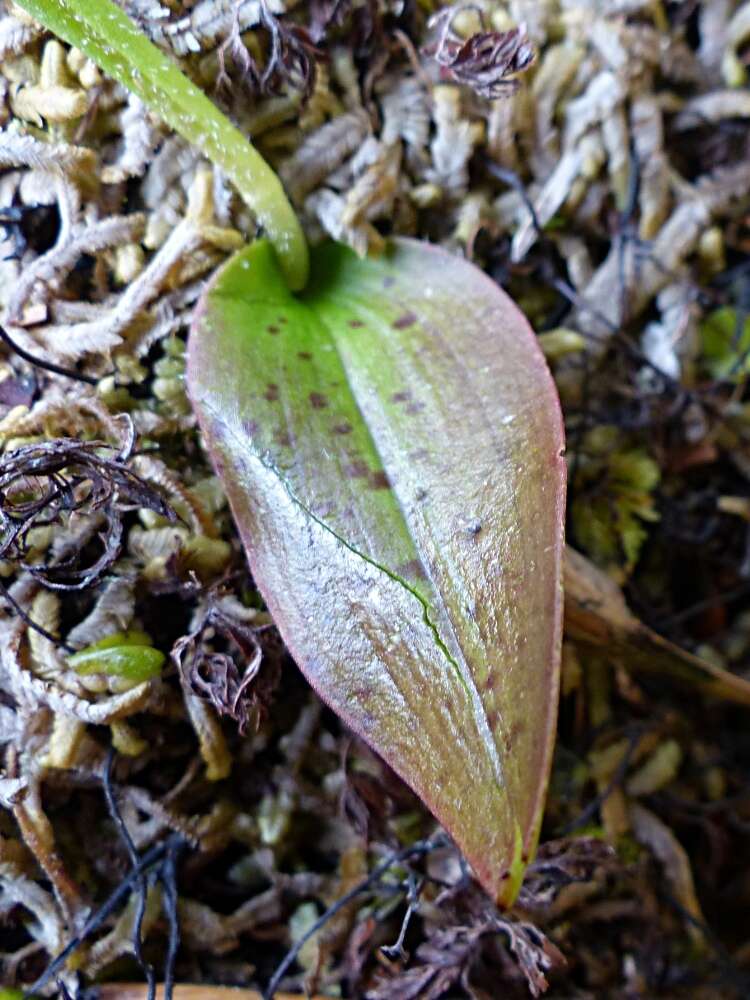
<point>625,227</point>
<point>682,396</point>
<point>665,624</point>
<point>48,366</point>
<point>95,921</point>
<point>593,807</point>
<point>168,878</point>
<point>511,178</point>
<point>633,351</point>
<point>41,484</point>
<point>418,849</point>
<point>142,884</point>
<point>29,621</point>
<point>575,439</point>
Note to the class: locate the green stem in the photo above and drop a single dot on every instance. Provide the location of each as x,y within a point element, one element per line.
<point>110,39</point>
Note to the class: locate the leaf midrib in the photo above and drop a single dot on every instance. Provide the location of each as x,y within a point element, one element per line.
<point>275,471</point>
<point>465,677</point>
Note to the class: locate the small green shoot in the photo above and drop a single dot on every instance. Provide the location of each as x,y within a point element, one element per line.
<point>726,344</point>
<point>128,655</point>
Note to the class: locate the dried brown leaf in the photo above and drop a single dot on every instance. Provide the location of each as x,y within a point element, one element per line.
<point>486,61</point>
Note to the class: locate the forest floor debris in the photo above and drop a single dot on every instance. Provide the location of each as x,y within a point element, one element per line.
<point>185,810</point>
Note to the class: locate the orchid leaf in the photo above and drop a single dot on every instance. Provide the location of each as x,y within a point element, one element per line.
<point>390,442</point>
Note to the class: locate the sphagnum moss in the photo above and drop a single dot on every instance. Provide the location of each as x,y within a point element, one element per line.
<point>609,195</point>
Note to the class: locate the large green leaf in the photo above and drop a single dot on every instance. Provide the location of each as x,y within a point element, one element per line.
<point>390,442</point>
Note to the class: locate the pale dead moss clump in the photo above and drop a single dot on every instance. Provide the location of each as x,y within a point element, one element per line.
<point>608,192</point>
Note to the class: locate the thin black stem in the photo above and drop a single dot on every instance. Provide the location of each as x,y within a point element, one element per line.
<point>95,921</point>
<point>141,882</point>
<point>48,366</point>
<point>418,849</point>
<point>593,807</point>
<point>168,877</point>
<point>511,178</point>
<point>6,594</point>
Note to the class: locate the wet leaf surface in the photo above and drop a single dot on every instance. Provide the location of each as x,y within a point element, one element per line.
<point>390,443</point>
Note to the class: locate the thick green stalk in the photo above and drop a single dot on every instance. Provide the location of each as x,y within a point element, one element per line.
<point>109,38</point>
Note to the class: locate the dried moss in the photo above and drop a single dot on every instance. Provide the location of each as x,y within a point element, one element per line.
<point>608,194</point>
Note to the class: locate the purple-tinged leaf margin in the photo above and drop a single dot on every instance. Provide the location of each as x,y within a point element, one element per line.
<point>391,443</point>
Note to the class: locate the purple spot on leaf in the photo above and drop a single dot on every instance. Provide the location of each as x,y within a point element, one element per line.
<point>512,737</point>
<point>408,319</point>
<point>379,481</point>
<point>283,439</point>
<point>357,470</point>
